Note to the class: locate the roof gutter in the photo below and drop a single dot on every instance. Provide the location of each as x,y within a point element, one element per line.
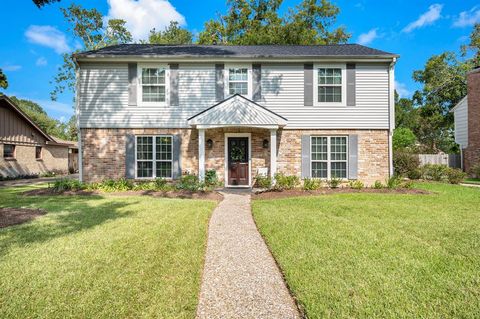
<point>134,58</point>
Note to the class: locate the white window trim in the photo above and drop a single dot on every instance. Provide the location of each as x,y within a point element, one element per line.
<point>329,157</point>
<point>141,66</point>
<point>343,67</point>
<point>227,76</point>
<point>154,157</point>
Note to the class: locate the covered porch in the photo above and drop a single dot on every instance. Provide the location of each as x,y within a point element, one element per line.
<point>238,139</point>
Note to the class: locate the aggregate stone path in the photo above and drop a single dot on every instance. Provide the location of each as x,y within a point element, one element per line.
<point>240,277</point>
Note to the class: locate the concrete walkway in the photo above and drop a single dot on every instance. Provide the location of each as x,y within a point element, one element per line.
<point>241,278</point>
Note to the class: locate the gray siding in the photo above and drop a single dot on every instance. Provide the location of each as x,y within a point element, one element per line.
<point>104,98</point>
<point>461,123</point>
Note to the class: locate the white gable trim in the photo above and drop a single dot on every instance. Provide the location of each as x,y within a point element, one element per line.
<point>237,111</point>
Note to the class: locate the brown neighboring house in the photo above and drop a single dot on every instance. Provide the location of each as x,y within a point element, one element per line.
<point>25,149</point>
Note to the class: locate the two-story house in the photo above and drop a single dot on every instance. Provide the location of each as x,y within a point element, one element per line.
<point>150,111</point>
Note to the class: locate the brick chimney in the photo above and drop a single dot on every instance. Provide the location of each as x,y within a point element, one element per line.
<point>472,152</point>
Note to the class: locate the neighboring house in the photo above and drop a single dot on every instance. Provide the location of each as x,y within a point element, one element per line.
<point>26,149</point>
<point>467,122</point>
<point>148,111</point>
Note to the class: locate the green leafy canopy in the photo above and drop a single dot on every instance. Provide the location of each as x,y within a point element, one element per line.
<point>250,22</point>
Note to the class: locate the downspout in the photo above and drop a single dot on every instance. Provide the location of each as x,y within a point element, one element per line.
<point>391,118</point>
<point>77,115</point>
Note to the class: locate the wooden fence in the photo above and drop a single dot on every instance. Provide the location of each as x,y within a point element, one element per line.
<point>451,160</point>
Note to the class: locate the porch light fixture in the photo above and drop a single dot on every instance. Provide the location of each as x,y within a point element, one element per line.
<point>265,143</point>
<point>209,143</point>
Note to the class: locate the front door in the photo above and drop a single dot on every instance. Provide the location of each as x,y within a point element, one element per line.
<point>238,174</point>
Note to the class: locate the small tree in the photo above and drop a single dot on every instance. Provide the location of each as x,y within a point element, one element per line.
<point>403,138</point>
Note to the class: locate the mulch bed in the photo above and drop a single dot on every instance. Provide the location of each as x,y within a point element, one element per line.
<point>15,216</point>
<point>328,191</point>
<point>177,194</point>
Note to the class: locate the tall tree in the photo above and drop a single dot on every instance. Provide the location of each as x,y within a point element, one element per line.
<point>41,3</point>
<point>92,32</point>
<point>406,115</point>
<point>173,34</point>
<point>473,45</point>
<point>3,80</point>
<point>250,22</point>
<point>38,115</point>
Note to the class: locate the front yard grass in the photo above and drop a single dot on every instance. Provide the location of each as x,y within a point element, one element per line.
<point>472,181</point>
<point>103,256</point>
<point>379,255</point>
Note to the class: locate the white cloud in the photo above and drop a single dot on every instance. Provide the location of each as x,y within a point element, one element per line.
<point>48,36</point>
<point>468,18</point>
<point>428,18</point>
<point>144,15</point>
<point>41,61</point>
<point>402,89</point>
<point>367,38</point>
<point>11,67</point>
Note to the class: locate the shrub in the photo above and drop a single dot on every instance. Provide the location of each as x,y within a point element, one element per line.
<point>190,183</point>
<point>407,185</point>
<point>334,182</point>
<point>65,184</point>
<point>455,175</point>
<point>415,174</point>
<point>284,182</point>
<point>158,184</point>
<point>434,172</point>
<point>115,185</point>
<point>356,184</point>
<point>405,162</point>
<point>378,185</point>
<point>393,182</point>
<point>311,184</point>
<point>263,181</point>
<point>211,179</point>
<point>475,170</point>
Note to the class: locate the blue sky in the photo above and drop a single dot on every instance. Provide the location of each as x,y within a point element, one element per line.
<point>33,40</point>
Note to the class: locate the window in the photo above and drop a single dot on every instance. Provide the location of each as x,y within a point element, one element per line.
<point>154,156</point>
<point>9,151</point>
<point>238,80</point>
<point>38,152</point>
<point>329,85</point>
<point>153,84</point>
<point>329,156</point>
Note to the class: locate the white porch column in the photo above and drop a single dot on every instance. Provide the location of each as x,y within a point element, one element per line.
<point>201,154</point>
<point>273,152</point>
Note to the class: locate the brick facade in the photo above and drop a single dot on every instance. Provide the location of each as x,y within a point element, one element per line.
<point>54,158</point>
<point>472,152</point>
<point>104,151</point>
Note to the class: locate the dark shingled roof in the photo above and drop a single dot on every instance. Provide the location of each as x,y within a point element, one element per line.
<point>249,51</point>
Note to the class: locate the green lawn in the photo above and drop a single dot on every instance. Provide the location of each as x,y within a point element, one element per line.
<point>472,180</point>
<point>379,255</point>
<point>103,256</point>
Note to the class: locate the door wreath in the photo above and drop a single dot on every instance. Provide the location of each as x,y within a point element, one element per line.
<point>237,154</point>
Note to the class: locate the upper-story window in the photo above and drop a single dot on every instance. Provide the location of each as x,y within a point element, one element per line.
<point>153,84</point>
<point>330,86</point>
<point>239,80</point>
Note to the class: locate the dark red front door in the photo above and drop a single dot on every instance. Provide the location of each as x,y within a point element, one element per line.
<point>238,161</point>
